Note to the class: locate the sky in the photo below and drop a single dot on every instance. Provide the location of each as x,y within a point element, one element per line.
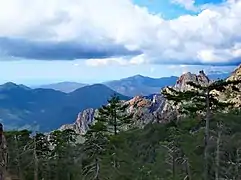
<point>46,41</point>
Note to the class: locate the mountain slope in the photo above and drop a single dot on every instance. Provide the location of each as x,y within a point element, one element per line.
<point>63,86</point>
<point>23,107</point>
<point>140,85</point>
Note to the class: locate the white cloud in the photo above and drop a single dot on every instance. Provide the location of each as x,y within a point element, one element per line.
<point>107,61</point>
<point>188,4</point>
<point>137,60</point>
<point>212,36</point>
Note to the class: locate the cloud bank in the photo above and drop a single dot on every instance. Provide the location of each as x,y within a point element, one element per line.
<point>106,30</point>
<point>67,50</point>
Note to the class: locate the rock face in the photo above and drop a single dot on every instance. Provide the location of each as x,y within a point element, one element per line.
<point>236,75</point>
<point>201,79</point>
<point>84,119</point>
<point>235,97</point>
<point>169,110</point>
<point>155,109</point>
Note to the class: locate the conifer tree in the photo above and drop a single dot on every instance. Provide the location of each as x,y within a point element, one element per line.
<point>111,119</point>
<point>202,100</point>
<point>114,115</point>
<point>94,147</point>
<point>62,142</point>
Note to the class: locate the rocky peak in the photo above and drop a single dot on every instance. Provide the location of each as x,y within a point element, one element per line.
<point>236,96</point>
<point>236,75</point>
<point>84,119</point>
<point>200,78</point>
<point>138,101</point>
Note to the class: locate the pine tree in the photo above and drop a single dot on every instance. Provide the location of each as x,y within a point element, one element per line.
<point>62,142</point>
<point>94,147</point>
<point>42,154</point>
<point>111,119</point>
<point>114,115</point>
<point>202,100</point>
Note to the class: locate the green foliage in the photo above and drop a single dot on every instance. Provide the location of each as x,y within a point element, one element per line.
<point>114,116</point>
<point>159,151</point>
<point>200,100</point>
<point>195,99</point>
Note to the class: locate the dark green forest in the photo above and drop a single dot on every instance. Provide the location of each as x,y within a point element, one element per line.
<point>204,144</point>
<point>159,151</point>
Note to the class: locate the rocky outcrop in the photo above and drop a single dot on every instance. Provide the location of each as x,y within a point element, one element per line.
<point>235,97</point>
<point>236,75</point>
<point>169,110</point>
<point>201,79</point>
<point>84,119</point>
<point>155,109</point>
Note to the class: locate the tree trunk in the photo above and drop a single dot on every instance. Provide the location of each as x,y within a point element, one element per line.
<point>237,166</point>
<point>174,166</point>
<point>20,174</point>
<point>115,123</point>
<point>218,154</point>
<point>35,160</point>
<point>3,157</point>
<point>188,169</point>
<point>206,150</point>
<point>97,169</point>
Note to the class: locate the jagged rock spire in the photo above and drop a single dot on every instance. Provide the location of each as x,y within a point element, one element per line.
<point>201,79</point>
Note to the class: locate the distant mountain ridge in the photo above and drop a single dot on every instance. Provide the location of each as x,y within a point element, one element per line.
<point>23,107</point>
<point>131,86</point>
<point>65,86</point>
<point>140,85</point>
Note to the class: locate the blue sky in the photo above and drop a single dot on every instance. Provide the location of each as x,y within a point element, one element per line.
<point>94,41</point>
<point>169,10</point>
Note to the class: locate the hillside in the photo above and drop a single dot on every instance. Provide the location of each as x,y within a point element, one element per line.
<point>22,107</point>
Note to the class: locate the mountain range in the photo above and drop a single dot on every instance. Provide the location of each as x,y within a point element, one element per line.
<point>66,86</point>
<point>130,86</point>
<point>23,107</point>
<point>155,108</point>
<point>49,107</point>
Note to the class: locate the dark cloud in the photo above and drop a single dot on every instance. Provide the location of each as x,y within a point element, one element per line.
<point>229,62</point>
<point>50,50</point>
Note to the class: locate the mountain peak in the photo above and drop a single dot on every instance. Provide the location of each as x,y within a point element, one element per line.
<point>8,85</point>
<point>236,75</point>
<point>11,85</point>
<point>201,78</point>
<point>138,76</point>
